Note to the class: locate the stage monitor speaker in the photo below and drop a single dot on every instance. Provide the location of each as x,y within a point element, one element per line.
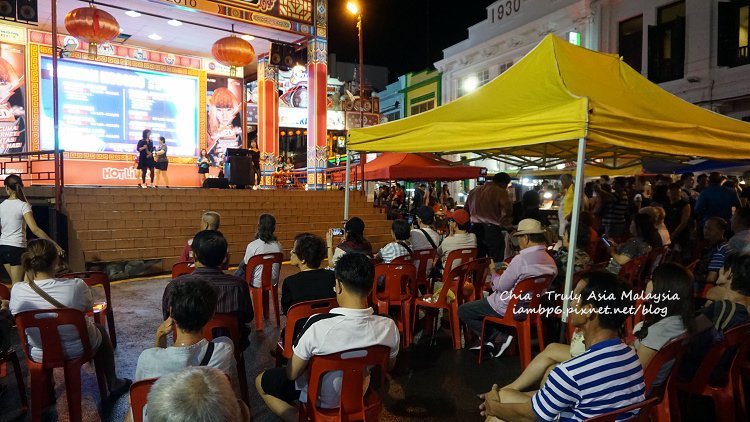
<point>241,171</point>
<point>238,152</point>
<point>216,183</point>
<point>28,10</point>
<point>277,54</point>
<point>8,9</point>
<point>284,56</point>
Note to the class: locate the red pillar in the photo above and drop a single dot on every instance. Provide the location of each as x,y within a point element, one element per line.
<point>317,90</point>
<point>268,118</point>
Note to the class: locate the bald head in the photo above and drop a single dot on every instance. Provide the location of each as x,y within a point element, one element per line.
<point>210,220</point>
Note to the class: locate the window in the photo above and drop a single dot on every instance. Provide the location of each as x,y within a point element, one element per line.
<point>470,83</point>
<point>504,67</point>
<point>422,107</point>
<point>666,44</point>
<point>631,42</point>
<point>393,116</point>
<point>732,34</point>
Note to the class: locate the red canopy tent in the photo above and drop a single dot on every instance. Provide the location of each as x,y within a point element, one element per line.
<point>404,166</point>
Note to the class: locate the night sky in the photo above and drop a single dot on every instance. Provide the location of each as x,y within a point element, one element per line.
<point>403,35</point>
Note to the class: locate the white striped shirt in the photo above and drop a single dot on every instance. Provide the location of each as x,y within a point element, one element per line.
<point>607,377</point>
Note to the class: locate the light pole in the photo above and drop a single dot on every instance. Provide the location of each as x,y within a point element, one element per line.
<point>354,9</point>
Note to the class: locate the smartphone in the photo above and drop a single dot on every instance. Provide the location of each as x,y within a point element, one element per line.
<point>337,231</point>
<point>410,220</point>
<point>606,242</point>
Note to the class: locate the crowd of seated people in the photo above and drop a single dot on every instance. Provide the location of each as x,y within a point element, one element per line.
<point>703,226</point>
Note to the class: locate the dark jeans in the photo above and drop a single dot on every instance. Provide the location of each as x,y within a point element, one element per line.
<point>472,314</point>
<point>143,173</point>
<point>490,240</point>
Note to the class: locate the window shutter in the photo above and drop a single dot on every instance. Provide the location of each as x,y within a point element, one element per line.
<point>678,49</point>
<point>654,53</point>
<point>727,38</point>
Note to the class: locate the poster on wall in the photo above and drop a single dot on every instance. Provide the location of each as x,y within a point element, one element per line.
<point>12,99</point>
<point>224,125</point>
<point>106,108</point>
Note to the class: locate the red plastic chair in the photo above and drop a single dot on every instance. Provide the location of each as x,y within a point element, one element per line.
<point>139,397</point>
<point>632,320</point>
<point>461,255</point>
<point>98,278</point>
<point>536,286</point>
<point>653,260</point>
<point>182,268</point>
<point>670,352</point>
<point>644,414</point>
<point>403,259</point>
<point>476,275</point>
<point>400,285</point>
<point>48,321</point>
<point>631,270</point>
<point>421,260</point>
<point>297,312</point>
<point>728,395</point>
<point>10,356</point>
<point>356,404</point>
<point>230,323</point>
<point>259,294</point>
<point>451,282</point>
<point>4,292</point>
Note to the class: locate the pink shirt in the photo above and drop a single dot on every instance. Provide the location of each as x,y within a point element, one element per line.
<point>533,261</point>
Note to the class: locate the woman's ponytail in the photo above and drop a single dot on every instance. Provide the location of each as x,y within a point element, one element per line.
<point>14,183</point>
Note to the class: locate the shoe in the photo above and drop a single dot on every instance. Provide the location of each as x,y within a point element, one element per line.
<point>143,186</point>
<point>139,185</point>
<point>503,347</point>
<point>479,346</point>
<point>124,388</point>
<point>156,187</point>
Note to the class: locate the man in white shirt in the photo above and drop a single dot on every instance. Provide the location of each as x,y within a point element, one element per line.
<point>459,238</point>
<point>351,326</point>
<point>424,237</point>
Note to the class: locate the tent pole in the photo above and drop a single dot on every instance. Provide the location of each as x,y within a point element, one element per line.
<point>574,226</point>
<point>347,180</point>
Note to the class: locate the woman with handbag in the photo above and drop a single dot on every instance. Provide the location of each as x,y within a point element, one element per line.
<point>43,291</point>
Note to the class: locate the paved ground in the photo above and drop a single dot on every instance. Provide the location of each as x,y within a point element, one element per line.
<point>428,384</point>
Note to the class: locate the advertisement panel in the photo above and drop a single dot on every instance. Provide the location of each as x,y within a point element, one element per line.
<point>224,126</point>
<point>12,99</point>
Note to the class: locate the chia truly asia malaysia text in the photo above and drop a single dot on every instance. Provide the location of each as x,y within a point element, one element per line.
<point>643,303</point>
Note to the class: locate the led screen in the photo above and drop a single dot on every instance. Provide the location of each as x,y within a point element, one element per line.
<point>105,108</point>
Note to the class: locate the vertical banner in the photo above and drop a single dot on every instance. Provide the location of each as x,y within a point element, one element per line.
<point>224,112</point>
<point>12,99</point>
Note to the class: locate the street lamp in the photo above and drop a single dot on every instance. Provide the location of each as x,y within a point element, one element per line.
<point>354,9</point>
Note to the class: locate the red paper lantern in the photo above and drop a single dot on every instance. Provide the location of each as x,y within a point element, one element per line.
<point>233,52</point>
<point>297,132</point>
<point>283,133</point>
<point>92,25</point>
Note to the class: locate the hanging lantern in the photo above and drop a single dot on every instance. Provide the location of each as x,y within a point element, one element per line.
<point>297,132</point>
<point>304,133</point>
<point>283,133</point>
<point>92,25</point>
<point>233,52</point>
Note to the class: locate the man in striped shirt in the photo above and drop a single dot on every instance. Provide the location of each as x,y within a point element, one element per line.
<point>607,377</point>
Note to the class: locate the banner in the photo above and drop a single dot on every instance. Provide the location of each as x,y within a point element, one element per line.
<point>12,99</point>
<point>286,15</point>
<point>224,127</point>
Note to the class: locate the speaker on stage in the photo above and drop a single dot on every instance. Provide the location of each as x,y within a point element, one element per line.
<point>28,10</point>
<point>8,9</point>
<point>216,183</point>
<point>284,56</point>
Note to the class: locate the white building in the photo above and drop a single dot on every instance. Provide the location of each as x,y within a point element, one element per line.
<point>504,37</point>
<point>696,49</point>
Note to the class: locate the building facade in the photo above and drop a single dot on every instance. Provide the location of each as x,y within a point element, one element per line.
<point>696,49</point>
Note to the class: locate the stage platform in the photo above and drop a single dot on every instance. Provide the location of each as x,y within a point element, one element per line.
<point>108,225</point>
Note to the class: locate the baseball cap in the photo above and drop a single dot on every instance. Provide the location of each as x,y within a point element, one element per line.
<point>459,216</point>
<point>529,226</point>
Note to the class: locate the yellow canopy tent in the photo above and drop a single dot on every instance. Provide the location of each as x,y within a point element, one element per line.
<point>588,171</point>
<point>564,103</point>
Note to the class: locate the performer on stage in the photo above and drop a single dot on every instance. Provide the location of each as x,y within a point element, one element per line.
<point>255,157</point>
<point>203,164</point>
<point>146,157</point>
<point>161,162</point>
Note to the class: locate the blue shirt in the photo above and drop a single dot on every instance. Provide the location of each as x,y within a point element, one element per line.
<point>718,256</point>
<point>716,201</point>
<point>608,376</point>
